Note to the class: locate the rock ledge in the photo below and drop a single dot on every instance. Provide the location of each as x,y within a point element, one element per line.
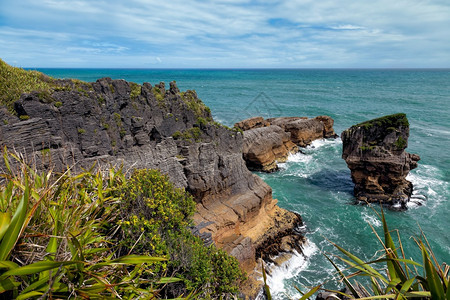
<point>267,142</point>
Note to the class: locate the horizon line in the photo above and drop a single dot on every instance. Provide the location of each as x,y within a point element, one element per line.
<point>231,69</point>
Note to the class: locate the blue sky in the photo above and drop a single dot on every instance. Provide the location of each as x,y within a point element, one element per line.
<point>225,33</point>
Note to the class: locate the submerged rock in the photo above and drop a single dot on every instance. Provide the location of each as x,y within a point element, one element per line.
<point>375,153</point>
<point>267,142</point>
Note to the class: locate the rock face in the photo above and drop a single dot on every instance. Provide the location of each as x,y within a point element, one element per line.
<point>265,146</point>
<point>117,122</point>
<point>267,142</point>
<point>375,153</point>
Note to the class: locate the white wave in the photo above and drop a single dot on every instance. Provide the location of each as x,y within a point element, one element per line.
<point>428,187</point>
<point>324,142</point>
<point>371,219</point>
<point>299,158</point>
<point>289,269</point>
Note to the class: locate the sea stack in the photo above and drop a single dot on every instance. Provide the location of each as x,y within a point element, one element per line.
<point>375,153</point>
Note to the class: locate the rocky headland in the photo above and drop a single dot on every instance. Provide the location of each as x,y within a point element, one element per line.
<point>375,153</point>
<point>115,122</point>
<point>268,141</point>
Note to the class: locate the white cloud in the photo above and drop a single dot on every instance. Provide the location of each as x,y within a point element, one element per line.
<point>347,27</point>
<point>227,33</point>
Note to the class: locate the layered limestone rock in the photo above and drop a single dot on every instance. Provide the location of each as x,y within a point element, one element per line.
<point>265,146</point>
<point>375,153</point>
<point>121,123</point>
<point>267,142</point>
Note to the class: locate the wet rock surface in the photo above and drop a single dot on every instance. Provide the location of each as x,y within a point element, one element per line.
<point>375,153</point>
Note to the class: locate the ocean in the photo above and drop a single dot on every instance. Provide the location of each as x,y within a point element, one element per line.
<point>317,183</point>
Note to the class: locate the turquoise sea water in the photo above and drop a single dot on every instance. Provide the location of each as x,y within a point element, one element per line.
<point>317,183</point>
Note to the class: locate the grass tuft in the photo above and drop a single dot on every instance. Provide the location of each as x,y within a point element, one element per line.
<point>16,81</point>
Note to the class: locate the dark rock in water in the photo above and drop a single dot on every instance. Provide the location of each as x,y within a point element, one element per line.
<point>114,122</point>
<point>375,153</point>
<point>267,142</point>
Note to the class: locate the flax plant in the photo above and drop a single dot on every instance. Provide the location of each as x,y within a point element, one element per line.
<point>55,237</point>
<point>403,278</point>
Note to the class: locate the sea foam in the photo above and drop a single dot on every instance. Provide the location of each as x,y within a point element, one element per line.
<point>289,269</point>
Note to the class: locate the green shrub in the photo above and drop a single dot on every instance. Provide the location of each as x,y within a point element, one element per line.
<point>194,104</point>
<point>58,104</point>
<point>177,134</point>
<point>56,238</point>
<point>189,135</point>
<point>201,121</point>
<point>159,216</point>
<point>135,90</point>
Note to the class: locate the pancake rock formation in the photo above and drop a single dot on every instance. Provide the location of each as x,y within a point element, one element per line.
<point>268,141</point>
<point>143,126</point>
<point>375,153</point>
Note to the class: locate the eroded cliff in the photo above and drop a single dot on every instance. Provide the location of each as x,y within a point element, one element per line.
<point>77,124</point>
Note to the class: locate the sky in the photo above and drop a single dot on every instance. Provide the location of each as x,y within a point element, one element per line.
<point>225,33</point>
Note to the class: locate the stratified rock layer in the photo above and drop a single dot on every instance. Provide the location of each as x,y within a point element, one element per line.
<point>117,122</point>
<point>375,153</point>
<point>267,142</point>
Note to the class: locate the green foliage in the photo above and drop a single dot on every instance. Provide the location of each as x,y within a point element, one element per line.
<point>45,97</point>
<point>189,135</point>
<point>366,148</point>
<point>135,90</point>
<point>400,143</point>
<point>101,100</point>
<point>159,216</point>
<point>159,96</point>
<point>194,104</point>
<point>16,81</point>
<point>24,117</point>
<point>96,235</point>
<point>111,88</point>
<point>234,129</point>
<point>390,121</point>
<point>81,131</point>
<point>201,121</point>
<point>402,280</point>
<point>56,238</point>
<point>58,104</point>
<point>118,119</point>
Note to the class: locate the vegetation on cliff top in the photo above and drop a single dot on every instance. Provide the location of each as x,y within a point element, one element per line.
<point>103,235</point>
<point>390,121</point>
<point>16,81</point>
